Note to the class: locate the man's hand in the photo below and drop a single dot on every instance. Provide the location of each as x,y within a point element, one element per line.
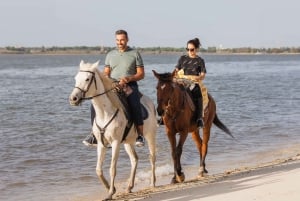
<point>123,81</point>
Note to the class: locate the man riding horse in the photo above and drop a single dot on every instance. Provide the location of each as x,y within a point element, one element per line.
<point>126,65</point>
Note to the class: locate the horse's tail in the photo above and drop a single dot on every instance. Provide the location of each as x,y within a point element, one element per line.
<point>220,125</point>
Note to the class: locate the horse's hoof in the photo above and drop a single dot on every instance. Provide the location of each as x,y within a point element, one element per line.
<point>108,198</point>
<point>200,175</point>
<point>180,178</point>
<point>201,172</point>
<point>128,190</point>
<point>173,181</point>
<point>110,195</point>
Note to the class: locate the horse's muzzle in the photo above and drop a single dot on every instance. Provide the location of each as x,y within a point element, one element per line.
<point>74,100</point>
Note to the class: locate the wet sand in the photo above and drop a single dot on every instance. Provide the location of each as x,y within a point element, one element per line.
<point>277,180</point>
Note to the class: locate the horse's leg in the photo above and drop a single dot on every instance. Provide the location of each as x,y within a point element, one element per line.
<point>150,128</point>
<point>101,151</point>
<point>113,165</point>
<point>180,175</point>
<point>134,160</point>
<point>172,140</point>
<point>198,141</point>
<point>206,135</point>
<point>151,141</point>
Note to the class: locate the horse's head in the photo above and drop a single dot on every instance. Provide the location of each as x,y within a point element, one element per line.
<point>85,83</point>
<point>165,87</point>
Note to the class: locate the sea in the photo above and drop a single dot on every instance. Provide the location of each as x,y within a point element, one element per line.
<point>41,152</point>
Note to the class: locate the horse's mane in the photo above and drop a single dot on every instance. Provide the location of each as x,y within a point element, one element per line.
<point>108,84</point>
<point>166,77</point>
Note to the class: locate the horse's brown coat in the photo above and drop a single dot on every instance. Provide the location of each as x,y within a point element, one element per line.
<point>178,118</point>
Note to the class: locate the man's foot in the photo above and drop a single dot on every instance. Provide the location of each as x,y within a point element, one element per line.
<point>90,140</point>
<point>140,142</point>
<point>200,123</point>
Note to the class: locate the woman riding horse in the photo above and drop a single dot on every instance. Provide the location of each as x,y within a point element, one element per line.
<point>177,112</point>
<point>191,66</point>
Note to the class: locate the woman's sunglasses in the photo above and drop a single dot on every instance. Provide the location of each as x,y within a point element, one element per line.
<point>192,50</point>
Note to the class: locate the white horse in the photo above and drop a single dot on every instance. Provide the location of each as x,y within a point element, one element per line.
<point>110,123</point>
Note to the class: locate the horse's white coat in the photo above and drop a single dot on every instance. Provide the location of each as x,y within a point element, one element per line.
<point>106,106</point>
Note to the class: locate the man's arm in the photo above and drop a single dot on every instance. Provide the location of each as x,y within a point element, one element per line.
<point>140,74</point>
<point>107,71</point>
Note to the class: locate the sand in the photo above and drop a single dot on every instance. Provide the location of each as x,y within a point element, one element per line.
<point>277,180</point>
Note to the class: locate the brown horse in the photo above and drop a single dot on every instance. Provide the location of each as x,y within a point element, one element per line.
<point>177,115</point>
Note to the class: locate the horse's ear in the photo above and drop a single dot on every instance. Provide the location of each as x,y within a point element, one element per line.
<point>155,74</point>
<point>81,63</point>
<point>174,73</point>
<point>96,64</point>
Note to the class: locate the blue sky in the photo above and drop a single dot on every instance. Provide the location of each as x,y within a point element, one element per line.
<point>165,23</point>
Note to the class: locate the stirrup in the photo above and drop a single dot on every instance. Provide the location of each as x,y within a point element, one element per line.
<point>90,140</point>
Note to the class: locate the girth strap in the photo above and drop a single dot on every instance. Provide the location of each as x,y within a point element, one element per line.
<point>102,130</point>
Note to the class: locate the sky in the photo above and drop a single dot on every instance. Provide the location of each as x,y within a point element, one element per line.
<point>150,23</point>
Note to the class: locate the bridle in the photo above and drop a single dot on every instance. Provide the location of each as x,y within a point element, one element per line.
<point>169,105</point>
<point>101,129</point>
<point>89,85</point>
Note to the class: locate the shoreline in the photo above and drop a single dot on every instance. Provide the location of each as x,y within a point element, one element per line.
<point>260,165</point>
<point>213,182</point>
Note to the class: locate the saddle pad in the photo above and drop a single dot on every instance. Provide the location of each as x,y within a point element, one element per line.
<point>204,95</point>
<point>187,81</point>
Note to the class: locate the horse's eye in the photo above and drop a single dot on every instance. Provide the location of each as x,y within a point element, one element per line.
<point>87,79</point>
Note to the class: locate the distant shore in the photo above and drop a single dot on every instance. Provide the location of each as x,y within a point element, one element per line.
<point>66,53</point>
<point>83,50</point>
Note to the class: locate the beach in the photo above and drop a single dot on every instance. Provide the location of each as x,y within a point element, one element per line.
<point>277,180</point>
<point>43,157</point>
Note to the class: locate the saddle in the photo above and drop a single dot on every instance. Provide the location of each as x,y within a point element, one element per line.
<point>121,93</point>
<point>189,84</point>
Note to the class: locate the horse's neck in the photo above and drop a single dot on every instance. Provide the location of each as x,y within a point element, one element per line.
<point>179,97</point>
<point>177,101</point>
<point>102,104</point>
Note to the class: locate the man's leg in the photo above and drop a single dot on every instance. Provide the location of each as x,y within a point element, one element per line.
<point>135,107</point>
<point>90,140</point>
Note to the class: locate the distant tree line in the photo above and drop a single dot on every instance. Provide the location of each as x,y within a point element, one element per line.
<point>156,50</point>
